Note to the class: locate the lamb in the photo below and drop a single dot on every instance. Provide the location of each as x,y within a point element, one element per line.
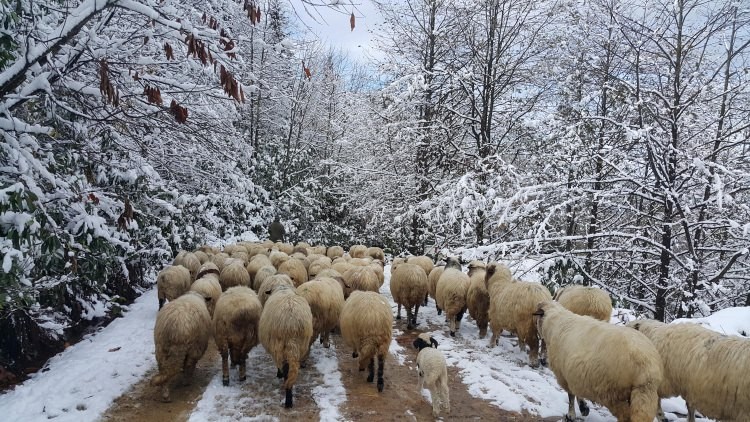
<point>181,336</point>
<point>286,326</point>
<point>358,251</point>
<point>236,321</point>
<point>477,297</point>
<point>582,300</point>
<point>451,294</point>
<point>512,304</point>
<point>295,269</point>
<point>271,283</point>
<point>708,369</point>
<point>609,364</point>
<point>207,284</point>
<point>375,252</point>
<point>234,274</point>
<point>362,278</point>
<point>334,252</point>
<point>171,283</point>
<point>261,276</point>
<point>432,280</point>
<point>365,323</point>
<point>408,288</point>
<point>325,297</point>
<point>432,371</point>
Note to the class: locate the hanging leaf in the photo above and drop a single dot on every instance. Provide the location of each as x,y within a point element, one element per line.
<point>351,21</point>
<point>305,69</point>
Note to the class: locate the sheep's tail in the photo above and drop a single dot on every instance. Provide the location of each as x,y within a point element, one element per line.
<point>644,402</point>
<point>291,357</point>
<point>171,364</point>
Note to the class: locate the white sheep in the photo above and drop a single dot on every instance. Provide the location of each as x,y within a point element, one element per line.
<point>207,284</point>
<point>255,264</point>
<point>171,283</point>
<point>358,251</point>
<point>609,364</point>
<point>270,283</point>
<point>261,275</point>
<point>366,326</point>
<point>710,370</point>
<point>234,274</point>
<point>583,300</point>
<point>432,372</point>
<point>477,297</point>
<point>286,326</point>
<point>451,294</point>
<point>408,288</point>
<point>295,269</point>
<point>362,278</point>
<point>181,336</point>
<point>236,319</point>
<point>432,280</point>
<point>326,299</point>
<point>334,252</point>
<point>375,252</point>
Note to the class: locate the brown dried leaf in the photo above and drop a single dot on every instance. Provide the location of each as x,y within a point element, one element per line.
<point>351,21</point>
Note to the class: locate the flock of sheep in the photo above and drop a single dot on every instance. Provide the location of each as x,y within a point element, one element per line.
<point>285,297</point>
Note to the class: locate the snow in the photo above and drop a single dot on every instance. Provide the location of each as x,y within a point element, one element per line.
<point>81,383</point>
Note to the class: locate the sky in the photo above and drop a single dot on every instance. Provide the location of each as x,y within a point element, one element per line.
<point>329,23</point>
<point>82,382</point>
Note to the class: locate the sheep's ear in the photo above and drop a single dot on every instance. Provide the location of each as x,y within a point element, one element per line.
<point>433,342</point>
<point>637,326</point>
<point>539,312</point>
<point>490,271</point>
<point>268,292</point>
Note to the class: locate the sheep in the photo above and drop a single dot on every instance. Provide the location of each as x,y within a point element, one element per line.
<point>325,297</point>
<point>181,336</point>
<point>360,262</point>
<point>234,274</point>
<point>316,267</point>
<point>171,283</point>
<point>358,251</point>
<point>242,255</point>
<point>236,327</point>
<point>341,266</point>
<point>512,304</point>
<point>270,283</point>
<point>451,294</point>
<point>362,278</point>
<point>277,258</point>
<point>317,250</point>
<point>375,252</point>
<point>300,250</point>
<point>477,297</point>
<point>583,300</point>
<point>209,250</point>
<point>424,262</point>
<point>396,262</point>
<point>261,276</point>
<point>408,288</point>
<point>207,284</point>
<point>432,371</point>
<point>708,369</point>
<point>432,280</point>
<point>303,245</point>
<point>377,266</point>
<point>365,324</point>
<point>202,256</point>
<point>346,288</point>
<point>286,326</point>
<point>255,250</point>
<point>230,249</point>
<point>192,263</point>
<point>255,264</point>
<point>286,248</point>
<point>334,252</point>
<point>295,270</point>
<point>612,365</point>
<point>178,258</point>
<point>220,260</point>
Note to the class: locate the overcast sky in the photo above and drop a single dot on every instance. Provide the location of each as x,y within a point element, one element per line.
<point>330,24</point>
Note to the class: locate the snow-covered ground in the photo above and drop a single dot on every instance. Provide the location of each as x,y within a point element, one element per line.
<point>82,382</point>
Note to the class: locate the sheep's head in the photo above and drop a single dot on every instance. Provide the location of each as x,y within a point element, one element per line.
<point>424,340</point>
<point>453,262</point>
<point>475,266</point>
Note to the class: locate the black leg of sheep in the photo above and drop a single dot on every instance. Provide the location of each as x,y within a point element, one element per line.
<point>583,407</point>
<point>371,369</point>
<point>288,401</point>
<point>381,361</point>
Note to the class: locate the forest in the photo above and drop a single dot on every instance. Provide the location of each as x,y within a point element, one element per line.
<point>607,139</point>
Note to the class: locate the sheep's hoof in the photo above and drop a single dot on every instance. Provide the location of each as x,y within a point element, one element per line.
<point>225,382</point>
<point>583,407</point>
<point>279,374</point>
<point>543,362</point>
<point>303,364</point>
<point>380,386</point>
<point>355,355</point>
<point>569,419</point>
<point>410,326</point>
<point>243,378</point>
<point>370,378</point>
<point>288,401</point>
<point>440,311</point>
<point>398,316</point>
<point>327,345</point>
<point>453,334</point>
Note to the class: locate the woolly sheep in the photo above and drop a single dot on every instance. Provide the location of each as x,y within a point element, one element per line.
<point>171,283</point>
<point>256,263</point>
<point>277,258</point>
<point>583,300</point>
<point>295,270</point>
<point>234,274</point>
<point>408,288</point>
<point>220,260</point>
<point>375,252</point>
<point>270,283</point>
<point>192,263</point>
<point>316,267</point>
<point>261,276</point>
<point>708,369</point>
<point>377,266</point>
<point>241,255</point>
<point>365,324</point>
<point>432,372</point>
<point>341,266</point>
<point>287,248</point>
<point>345,287</point>
<point>451,294</point>
<point>236,327</point>
<point>202,256</point>
<point>362,278</point>
<point>325,297</point>
<point>317,250</point>
<point>209,250</point>
<point>512,304</point>
<point>396,262</point>
<point>424,262</point>
<point>181,336</point>
<point>358,251</point>
<point>334,252</point>
<point>300,250</point>
<point>477,297</point>
<point>432,280</point>
<point>286,326</point>
<point>207,285</point>
<point>360,262</point>
<point>178,258</point>
<point>608,364</point>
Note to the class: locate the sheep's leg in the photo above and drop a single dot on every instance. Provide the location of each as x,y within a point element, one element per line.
<point>225,367</point>
<point>543,357</point>
<point>426,299</point>
<point>482,328</point>
<point>416,311</point>
<point>583,407</point>
<point>691,413</point>
<point>459,317</point>
<point>381,381</point>
<point>288,400</point>
<point>371,370</point>
<point>291,370</point>
<point>420,380</point>
<point>165,393</point>
<point>533,351</point>
<point>398,312</point>
<point>325,339</point>
<point>440,311</point>
<point>285,371</point>
<point>188,369</point>
<point>452,325</point>
<point>493,340</point>
<point>243,369</point>
<point>409,318</point>
<point>660,413</point>
<point>571,415</point>
<point>161,302</point>
<point>279,374</point>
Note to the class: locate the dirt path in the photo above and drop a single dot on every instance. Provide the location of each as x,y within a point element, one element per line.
<point>400,399</point>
